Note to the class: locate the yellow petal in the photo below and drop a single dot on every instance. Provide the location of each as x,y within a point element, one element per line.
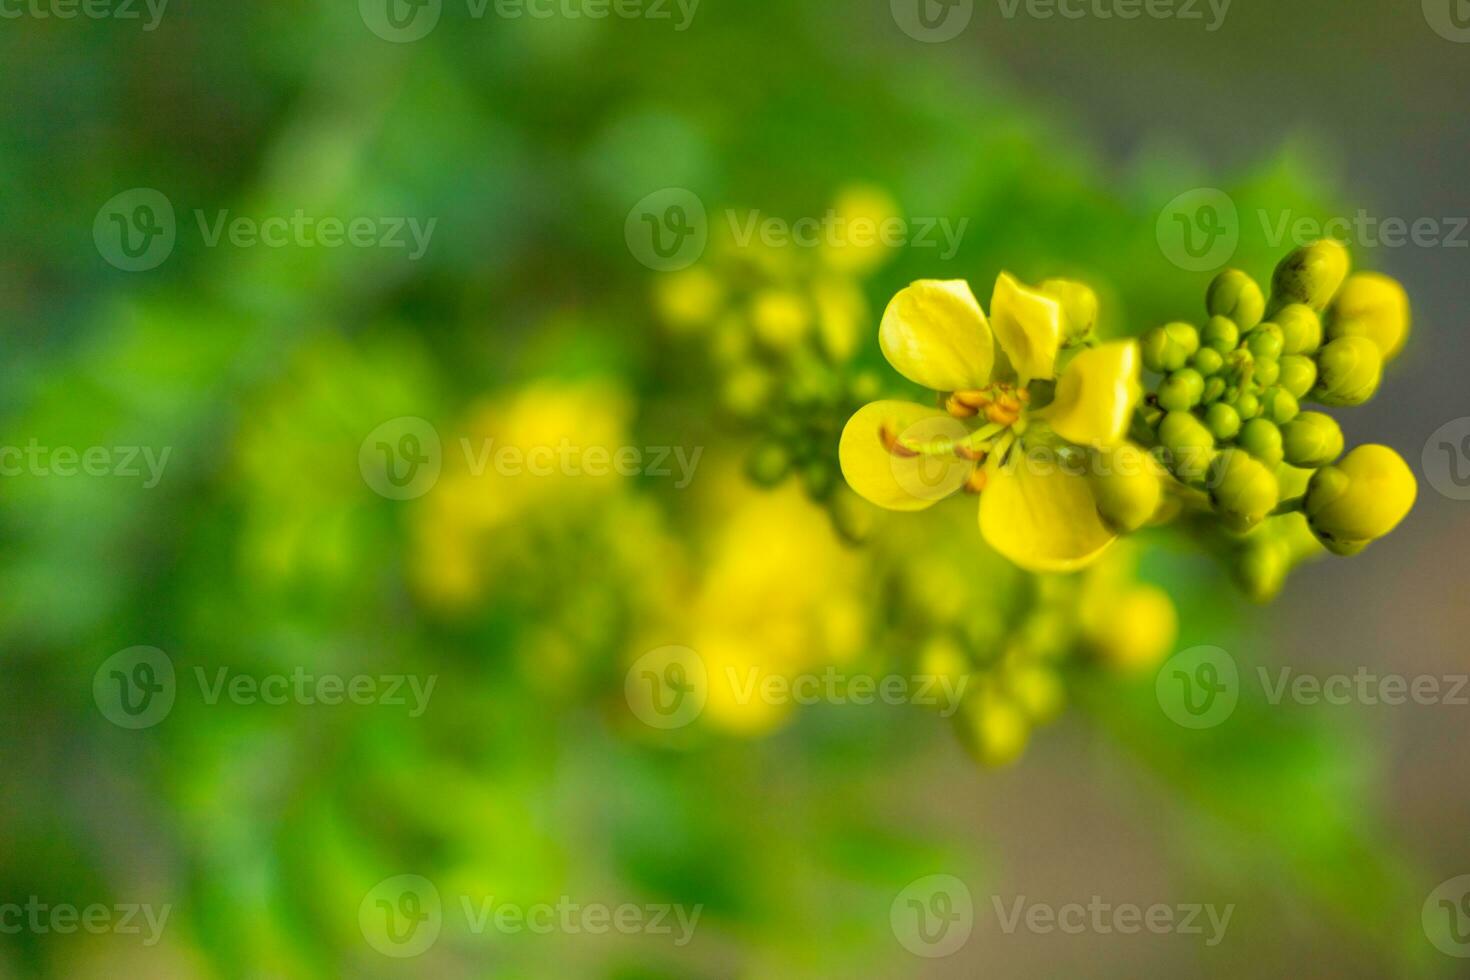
<point>894,481</point>
<point>1040,514</point>
<point>935,334</point>
<point>1028,325</point>
<point>1096,395</point>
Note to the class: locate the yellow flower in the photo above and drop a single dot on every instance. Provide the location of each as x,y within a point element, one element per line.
<point>1029,462</point>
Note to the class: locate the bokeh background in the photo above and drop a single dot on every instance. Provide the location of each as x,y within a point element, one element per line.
<point>266,546</point>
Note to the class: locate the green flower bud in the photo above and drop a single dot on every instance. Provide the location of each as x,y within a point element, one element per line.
<point>1301,329</point>
<point>1298,374</point>
<point>1190,445</point>
<point>1360,499</point>
<point>1246,405</point>
<point>1214,391</point>
<point>1265,342</point>
<point>1310,275</point>
<point>1236,295</point>
<point>1208,361</point>
<point>1126,486</point>
<point>818,478</point>
<point>1262,439</point>
<point>1279,405</point>
<point>1311,440</point>
<point>1243,490</point>
<point>768,464</point>
<point>1261,568</point>
<point>1182,390</point>
<point>1373,306</point>
<point>1169,348</point>
<point>1223,421</point>
<point>1348,371</point>
<point>1266,373</point>
<point>1079,308</point>
<point>1221,333</point>
<point>992,727</point>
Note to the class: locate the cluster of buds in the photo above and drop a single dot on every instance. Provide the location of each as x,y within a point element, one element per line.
<point>782,327</point>
<point>1226,409</point>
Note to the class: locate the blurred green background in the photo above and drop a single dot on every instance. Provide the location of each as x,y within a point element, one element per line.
<point>263,548</point>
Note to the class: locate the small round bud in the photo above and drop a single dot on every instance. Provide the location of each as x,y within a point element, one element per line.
<point>1261,568</point>
<point>1265,342</point>
<point>1190,445</point>
<point>1126,486</point>
<point>1266,373</point>
<point>1310,275</point>
<point>780,318</point>
<point>1182,390</point>
<point>1214,391</point>
<point>1221,333</point>
<point>1223,421</point>
<point>1079,308</point>
<point>768,464</point>
<point>1279,405</point>
<point>1360,499</point>
<point>1236,295</point>
<point>746,391</point>
<point>1169,348</point>
<point>1133,631</point>
<point>992,727</point>
<point>1348,371</point>
<point>1374,306</point>
<point>1208,361</point>
<point>1301,329</point>
<point>1298,374</point>
<point>1243,490</point>
<point>1246,405</point>
<point>1262,439</point>
<point>1311,440</point>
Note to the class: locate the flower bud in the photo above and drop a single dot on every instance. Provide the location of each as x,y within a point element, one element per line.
<point>993,728</point>
<point>1243,490</point>
<point>1214,391</point>
<point>768,464</point>
<point>1348,371</point>
<point>1360,499</point>
<point>1236,295</point>
<point>1262,439</point>
<point>1132,631</point>
<point>781,319</point>
<point>1311,440</point>
<point>1223,421</point>
<point>1261,568</point>
<point>1266,372</point>
<point>1279,405</point>
<point>1310,275</point>
<point>1373,306</point>
<point>1265,342</point>
<point>1189,444</point>
<point>1169,348</point>
<point>1079,308</point>
<point>1182,390</point>
<point>1126,487</point>
<point>1298,374</point>
<point>1301,329</point>
<point>1208,361</point>
<point>1221,334</point>
<point>1246,405</point>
